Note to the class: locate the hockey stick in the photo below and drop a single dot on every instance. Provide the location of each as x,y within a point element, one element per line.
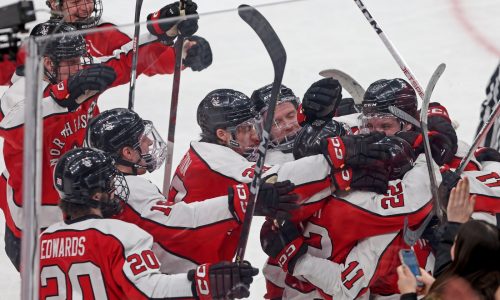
<point>135,54</point>
<point>404,116</point>
<point>347,82</point>
<point>178,45</point>
<point>277,54</point>
<point>409,235</point>
<point>479,137</point>
<point>394,52</point>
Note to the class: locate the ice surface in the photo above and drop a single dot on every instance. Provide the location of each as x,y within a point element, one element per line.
<point>317,35</point>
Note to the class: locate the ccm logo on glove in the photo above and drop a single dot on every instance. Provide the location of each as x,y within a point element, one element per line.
<point>337,143</point>
<point>242,195</point>
<point>202,282</point>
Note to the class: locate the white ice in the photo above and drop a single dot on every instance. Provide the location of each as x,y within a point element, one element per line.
<point>317,34</point>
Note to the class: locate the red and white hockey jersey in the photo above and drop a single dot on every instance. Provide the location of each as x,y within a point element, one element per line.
<point>207,170</point>
<point>94,258</point>
<point>63,130</point>
<point>185,234</point>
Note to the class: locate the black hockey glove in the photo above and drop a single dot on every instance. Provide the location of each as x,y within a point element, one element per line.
<point>356,151</point>
<point>441,146</point>
<point>308,140</point>
<point>450,180</point>
<point>321,99</point>
<point>185,28</point>
<point>284,244</point>
<point>346,107</point>
<point>82,86</point>
<point>224,280</point>
<point>487,154</point>
<point>199,56</point>
<point>274,200</point>
<point>364,179</point>
<point>438,120</point>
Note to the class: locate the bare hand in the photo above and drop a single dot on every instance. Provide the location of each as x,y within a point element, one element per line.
<point>460,205</point>
<point>407,283</point>
<point>427,280</point>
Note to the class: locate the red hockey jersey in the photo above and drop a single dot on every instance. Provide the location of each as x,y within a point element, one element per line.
<point>94,258</point>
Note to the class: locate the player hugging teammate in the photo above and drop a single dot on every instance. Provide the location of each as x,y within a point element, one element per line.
<point>342,184</point>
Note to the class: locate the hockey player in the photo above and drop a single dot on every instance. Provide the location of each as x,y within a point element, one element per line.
<point>179,230</point>
<point>70,93</point>
<point>319,103</point>
<point>116,257</point>
<point>345,264</point>
<point>156,56</point>
<point>227,120</point>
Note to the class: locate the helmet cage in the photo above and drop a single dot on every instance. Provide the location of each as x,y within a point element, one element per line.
<point>366,126</point>
<point>253,124</point>
<point>157,149</point>
<point>89,22</point>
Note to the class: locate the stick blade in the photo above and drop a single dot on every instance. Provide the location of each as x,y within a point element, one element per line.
<point>404,116</point>
<point>347,82</point>
<point>266,34</point>
<point>428,91</point>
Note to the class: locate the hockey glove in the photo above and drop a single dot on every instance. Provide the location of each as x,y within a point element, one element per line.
<point>308,140</point>
<point>449,181</point>
<point>224,280</point>
<point>321,99</point>
<point>487,154</point>
<point>199,55</point>
<point>364,179</point>
<point>185,27</point>
<point>438,120</point>
<point>82,86</point>
<point>356,151</point>
<point>346,107</point>
<point>284,244</point>
<point>274,200</point>
<point>441,146</point>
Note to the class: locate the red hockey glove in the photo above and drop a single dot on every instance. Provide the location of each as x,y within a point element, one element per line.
<point>159,27</point>
<point>284,244</point>
<point>487,154</point>
<point>439,120</point>
<point>224,280</point>
<point>274,200</point>
<point>356,150</point>
<point>82,86</point>
<point>441,146</point>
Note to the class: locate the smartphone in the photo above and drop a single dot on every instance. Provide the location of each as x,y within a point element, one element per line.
<point>409,259</point>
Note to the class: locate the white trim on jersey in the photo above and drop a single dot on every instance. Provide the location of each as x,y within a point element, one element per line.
<point>151,282</point>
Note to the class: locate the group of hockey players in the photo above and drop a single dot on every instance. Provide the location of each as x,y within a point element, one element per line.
<point>341,180</point>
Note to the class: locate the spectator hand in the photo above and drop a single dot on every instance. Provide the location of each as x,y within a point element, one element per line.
<point>407,283</point>
<point>427,280</point>
<point>460,204</point>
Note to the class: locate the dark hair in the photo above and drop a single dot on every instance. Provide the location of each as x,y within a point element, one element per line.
<point>477,246</point>
<point>71,210</point>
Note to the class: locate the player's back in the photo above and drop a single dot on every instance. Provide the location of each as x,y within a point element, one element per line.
<point>94,258</point>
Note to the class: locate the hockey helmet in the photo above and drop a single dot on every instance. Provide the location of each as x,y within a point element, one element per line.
<point>80,18</point>
<point>116,128</point>
<point>82,172</point>
<point>389,92</point>
<point>285,125</point>
<point>402,156</point>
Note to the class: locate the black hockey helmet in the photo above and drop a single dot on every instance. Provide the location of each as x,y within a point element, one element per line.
<point>389,92</point>
<point>82,172</point>
<point>116,128</point>
<point>262,96</point>
<point>84,23</point>
<point>224,108</point>
<point>309,138</point>
<point>69,45</point>
<point>402,156</point>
